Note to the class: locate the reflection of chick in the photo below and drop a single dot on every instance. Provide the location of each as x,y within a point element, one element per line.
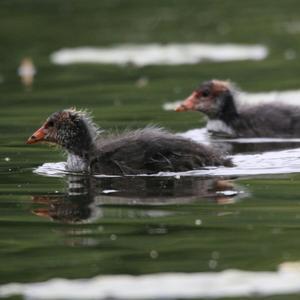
<point>63,208</point>
<point>86,197</point>
<point>225,191</point>
<point>164,190</point>
<point>27,72</point>
<point>76,205</point>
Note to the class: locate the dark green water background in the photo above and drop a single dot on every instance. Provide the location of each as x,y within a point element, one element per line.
<point>151,224</point>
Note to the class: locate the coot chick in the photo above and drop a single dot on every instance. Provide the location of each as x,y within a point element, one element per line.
<point>216,99</point>
<point>144,151</point>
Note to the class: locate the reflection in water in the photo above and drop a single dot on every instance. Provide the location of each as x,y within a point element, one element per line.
<point>235,147</point>
<point>76,205</point>
<point>242,145</point>
<point>86,196</point>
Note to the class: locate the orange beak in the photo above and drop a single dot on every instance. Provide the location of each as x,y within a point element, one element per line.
<point>38,136</point>
<point>189,103</point>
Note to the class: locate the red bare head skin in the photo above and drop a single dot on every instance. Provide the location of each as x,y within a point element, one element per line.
<point>189,103</point>
<point>71,129</point>
<point>203,97</point>
<point>47,132</point>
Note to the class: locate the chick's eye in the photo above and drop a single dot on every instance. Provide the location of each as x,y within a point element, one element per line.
<point>50,124</point>
<point>205,93</point>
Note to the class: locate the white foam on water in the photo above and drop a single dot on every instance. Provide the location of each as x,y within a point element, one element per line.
<point>228,283</point>
<point>227,193</point>
<point>268,163</point>
<point>109,191</point>
<point>291,97</point>
<point>52,169</point>
<point>157,54</point>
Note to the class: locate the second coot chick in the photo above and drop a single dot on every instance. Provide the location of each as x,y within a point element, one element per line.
<point>145,151</point>
<point>216,99</point>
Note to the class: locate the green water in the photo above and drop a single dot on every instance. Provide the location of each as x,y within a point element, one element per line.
<point>150,225</point>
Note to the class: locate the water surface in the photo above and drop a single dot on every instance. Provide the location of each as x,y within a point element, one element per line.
<point>58,225</point>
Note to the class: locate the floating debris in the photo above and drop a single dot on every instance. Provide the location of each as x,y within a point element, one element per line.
<point>198,222</point>
<point>153,254</point>
<point>142,82</point>
<point>212,264</point>
<point>27,71</point>
<point>290,54</point>
<point>113,237</point>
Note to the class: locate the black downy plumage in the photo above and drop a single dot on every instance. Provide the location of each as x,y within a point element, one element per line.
<point>216,99</point>
<point>144,151</point>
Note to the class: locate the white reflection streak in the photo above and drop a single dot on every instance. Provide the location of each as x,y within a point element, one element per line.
<point>228,283</point>
<point>156,54</point>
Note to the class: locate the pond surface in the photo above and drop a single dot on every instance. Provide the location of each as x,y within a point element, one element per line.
<point>59,225</point>
<point>197,234</point>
